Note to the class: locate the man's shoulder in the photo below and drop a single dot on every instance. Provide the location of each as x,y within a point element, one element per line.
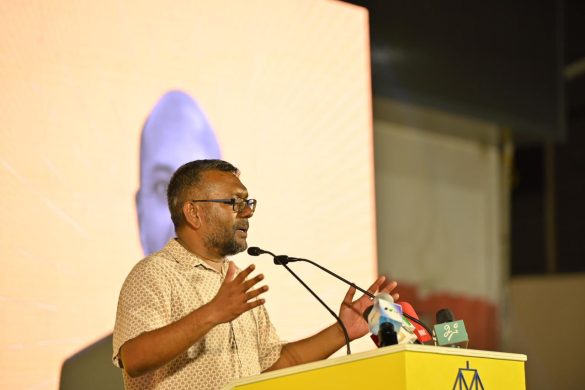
<point>154,264</point>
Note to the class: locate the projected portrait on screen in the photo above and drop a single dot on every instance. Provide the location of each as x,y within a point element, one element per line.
<point>175,132</point>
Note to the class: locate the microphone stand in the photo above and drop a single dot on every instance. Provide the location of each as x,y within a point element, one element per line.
<point>291,259</point>
<point>283,260</point>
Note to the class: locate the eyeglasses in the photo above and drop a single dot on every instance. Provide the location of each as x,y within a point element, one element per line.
<point>237,204</point>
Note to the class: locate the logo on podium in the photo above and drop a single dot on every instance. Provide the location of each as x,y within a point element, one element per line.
<point>468,379</point>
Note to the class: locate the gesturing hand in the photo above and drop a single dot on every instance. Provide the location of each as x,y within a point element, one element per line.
<point>351,311</point>
<point>235,295</point>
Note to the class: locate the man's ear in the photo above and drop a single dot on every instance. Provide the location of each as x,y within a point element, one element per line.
<point>191,212</point>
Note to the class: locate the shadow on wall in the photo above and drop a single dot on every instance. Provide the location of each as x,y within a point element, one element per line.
<point>92,369</point>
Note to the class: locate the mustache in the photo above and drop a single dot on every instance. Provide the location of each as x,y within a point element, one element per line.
<point>243,225</point>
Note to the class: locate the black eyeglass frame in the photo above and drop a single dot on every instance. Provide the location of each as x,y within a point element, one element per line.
<point>234,202</point>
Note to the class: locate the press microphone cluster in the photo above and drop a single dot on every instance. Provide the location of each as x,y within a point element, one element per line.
<point>389,322</point>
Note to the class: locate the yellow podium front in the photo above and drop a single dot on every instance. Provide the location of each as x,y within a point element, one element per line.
<point>400,367</point>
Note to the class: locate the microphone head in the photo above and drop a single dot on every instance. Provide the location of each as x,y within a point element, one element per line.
<point>255,251</point>
<point>444,315</point>
<point>387,335</point>
<point>383,310</point>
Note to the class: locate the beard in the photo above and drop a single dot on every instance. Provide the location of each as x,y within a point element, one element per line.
<point>223,240</point>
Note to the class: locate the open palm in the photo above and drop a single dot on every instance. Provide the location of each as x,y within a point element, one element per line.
<point>351,311</point>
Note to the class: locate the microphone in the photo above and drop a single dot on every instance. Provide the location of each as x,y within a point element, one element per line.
<point>444,315</point>
<point>284,260</point>
<point>278,260</point>
<point>422,332</point>
<point>255,251</point>
<point>448,331</point>
<point>384,319</point>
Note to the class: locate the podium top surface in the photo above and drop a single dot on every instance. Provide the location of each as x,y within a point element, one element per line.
<point>428,349</point>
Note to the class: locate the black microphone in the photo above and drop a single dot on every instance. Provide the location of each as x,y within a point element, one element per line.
<point>386,333</point>
<point>283,260</point>
<point>278,260</point>
<point>444,315</point>
<point>255,251</point>
<point>450,332</point>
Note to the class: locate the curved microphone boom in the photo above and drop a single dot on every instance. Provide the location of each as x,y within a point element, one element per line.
<point>283,260</point>
<point>334,275</point>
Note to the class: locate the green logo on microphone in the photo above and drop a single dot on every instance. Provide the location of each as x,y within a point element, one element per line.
<point>450,333</point>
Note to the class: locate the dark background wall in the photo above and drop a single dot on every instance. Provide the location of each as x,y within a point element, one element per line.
<point>518,64</point>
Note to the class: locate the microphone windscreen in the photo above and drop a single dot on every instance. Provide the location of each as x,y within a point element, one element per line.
<point>444,315</point>
<point>255,251</point>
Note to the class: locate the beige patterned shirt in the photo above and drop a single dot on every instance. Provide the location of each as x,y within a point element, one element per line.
<point>165,287</point>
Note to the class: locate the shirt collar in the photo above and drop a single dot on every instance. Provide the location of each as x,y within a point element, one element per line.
<point>186,258</point>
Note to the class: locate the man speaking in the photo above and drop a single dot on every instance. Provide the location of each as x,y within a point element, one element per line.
<point>188,318</point>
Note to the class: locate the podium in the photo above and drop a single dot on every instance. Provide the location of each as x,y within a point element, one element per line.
<point>406,366</point>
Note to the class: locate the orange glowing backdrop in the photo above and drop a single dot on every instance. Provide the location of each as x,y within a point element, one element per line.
<point>286,86</point>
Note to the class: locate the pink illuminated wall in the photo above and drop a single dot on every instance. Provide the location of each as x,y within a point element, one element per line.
<point>286,86</point>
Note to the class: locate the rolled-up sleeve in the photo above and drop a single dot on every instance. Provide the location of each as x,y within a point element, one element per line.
<point>144,305</point>
<point>270,344</point>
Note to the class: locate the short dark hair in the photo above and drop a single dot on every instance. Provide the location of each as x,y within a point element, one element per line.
<point>185,178</point>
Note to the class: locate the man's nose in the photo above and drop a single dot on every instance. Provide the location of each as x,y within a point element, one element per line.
<point>246,212</point>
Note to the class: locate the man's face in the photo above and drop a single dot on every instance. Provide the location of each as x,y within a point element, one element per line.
<point>176,132</point>
<point>225,231</point>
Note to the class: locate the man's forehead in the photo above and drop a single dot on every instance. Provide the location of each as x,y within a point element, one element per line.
<point>221,181</point>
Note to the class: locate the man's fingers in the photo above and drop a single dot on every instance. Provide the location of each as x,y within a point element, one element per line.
<point>254,293</point>
<point>388,286</point>
<point>249,283</point>
<point>255,303</point>
<point>244,274</point>
<point>348,299</point>
<point>374,287</point>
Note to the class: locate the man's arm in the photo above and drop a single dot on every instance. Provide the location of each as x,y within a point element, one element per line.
<point>325,343</point>
<point>153,349</point>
